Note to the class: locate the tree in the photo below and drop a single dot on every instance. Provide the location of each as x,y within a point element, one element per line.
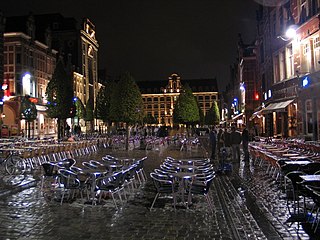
<point>80,109</point>
<point>103,102</point>
<point>213,115</point>
<point>186,109</point>
<point>28,112</point>
<point>126,104</point>
<point>59,94</point>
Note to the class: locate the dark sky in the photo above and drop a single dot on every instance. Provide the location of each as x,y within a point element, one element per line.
<point>154,38</point>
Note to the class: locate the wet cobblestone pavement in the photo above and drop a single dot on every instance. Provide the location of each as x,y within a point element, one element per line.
<point>247,205</point>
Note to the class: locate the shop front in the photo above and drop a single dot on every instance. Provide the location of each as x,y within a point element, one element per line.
<point>281,118</point>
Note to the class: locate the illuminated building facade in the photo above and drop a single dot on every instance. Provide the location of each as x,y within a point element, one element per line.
<point>291,102</point>
<point>29,62</point>
<point>2,25</point>
<point>159,96</point>
<point>29,59</point>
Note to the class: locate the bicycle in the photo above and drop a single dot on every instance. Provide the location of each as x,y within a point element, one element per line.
<point>11,162</point>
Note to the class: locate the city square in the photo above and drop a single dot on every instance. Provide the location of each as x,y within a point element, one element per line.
<point>137,119</point>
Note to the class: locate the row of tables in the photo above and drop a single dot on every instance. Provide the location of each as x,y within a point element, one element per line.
<point>276,152</point>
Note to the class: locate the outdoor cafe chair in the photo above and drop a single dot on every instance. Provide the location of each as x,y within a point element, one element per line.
<point>96,163</point>
<point>201,186</point>
<point>314,218</point>
<point>164,185</point>
<point>68,182</point>
<point>294,192</point>
<point>49,172</point>
<point>66,163</point>
<point>311,167</point>
<point>88,165</point>
<point>110,185</point>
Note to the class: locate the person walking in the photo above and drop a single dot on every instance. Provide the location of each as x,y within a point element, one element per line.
<point>220,141</point>
<point>245,142</point>
<point>213,142</point>
<point>235,137</point>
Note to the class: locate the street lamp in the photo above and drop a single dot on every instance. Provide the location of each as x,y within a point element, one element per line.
<point>290,33</point>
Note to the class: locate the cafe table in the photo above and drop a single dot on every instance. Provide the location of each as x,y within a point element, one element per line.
<point>298,162</point>
<point>90,176</point>
<point>186,167</point>
<point>290,154</point>
<point>310,178</point>
<point>181,178</point>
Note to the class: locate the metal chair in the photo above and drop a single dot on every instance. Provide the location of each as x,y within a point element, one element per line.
<point>110,185</point>
<point>163,185</point>
<point>68,182</point>
<point>201,186</point>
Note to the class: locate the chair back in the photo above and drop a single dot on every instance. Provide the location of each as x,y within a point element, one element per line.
<point>311,167</point>
<point>68,178</point>
<point>48,169</point>
<point>162,183</point>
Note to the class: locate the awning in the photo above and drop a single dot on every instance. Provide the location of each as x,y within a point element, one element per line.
<point>257,114</point>
<point>277,107</point>
<point>237,116</point>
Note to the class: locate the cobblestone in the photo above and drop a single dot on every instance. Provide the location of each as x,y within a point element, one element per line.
<point>26,214</point>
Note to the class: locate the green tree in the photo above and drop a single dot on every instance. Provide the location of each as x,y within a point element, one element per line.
<point>59,94</point>
<point>186,109</point>
<point>126,104</point>
<point>213,115</point>
<point>201,114</point>
<point>103,102</point>
<point>80,109</point>
<point>28,112</point>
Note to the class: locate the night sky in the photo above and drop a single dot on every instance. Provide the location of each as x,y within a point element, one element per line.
<point>154,38</point>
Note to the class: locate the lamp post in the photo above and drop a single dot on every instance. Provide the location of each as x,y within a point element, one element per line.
<point>290,33</point>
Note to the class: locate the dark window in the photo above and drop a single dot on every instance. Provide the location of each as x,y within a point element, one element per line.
<point>18,58</point>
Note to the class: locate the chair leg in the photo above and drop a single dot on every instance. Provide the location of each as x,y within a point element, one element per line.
<point>154,200</point>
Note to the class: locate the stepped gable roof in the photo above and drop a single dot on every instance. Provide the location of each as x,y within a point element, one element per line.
<point>197,85</point>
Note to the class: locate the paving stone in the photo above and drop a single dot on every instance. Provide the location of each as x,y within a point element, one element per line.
<point>28,215</point>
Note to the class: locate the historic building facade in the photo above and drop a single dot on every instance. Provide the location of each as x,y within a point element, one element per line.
<point>288,69</point>
<point>28,66</point>
<point>32,44</point>
<point>159,96</point>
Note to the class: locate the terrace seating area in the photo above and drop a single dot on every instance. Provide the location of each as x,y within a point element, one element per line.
<point>182,180</point>
<point>295,167</point>
<point>93,181</point>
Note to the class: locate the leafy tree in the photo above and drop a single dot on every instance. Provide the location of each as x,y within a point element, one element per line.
<point>213,116</point>
<point>80,109</point>
<point>186,109</point>
<point>103,102</point>
<point>201,114</point>
<point>59,94</point>
<point>28,111</point>
<point>126,104</point>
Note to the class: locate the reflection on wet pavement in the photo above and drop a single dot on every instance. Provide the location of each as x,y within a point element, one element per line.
<point>247,205</point>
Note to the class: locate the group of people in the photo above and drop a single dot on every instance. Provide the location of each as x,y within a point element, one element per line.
<point>230,140</point>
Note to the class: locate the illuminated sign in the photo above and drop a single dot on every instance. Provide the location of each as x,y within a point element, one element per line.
<point>305,82</point>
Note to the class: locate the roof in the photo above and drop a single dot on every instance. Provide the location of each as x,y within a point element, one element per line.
<point>197,85</point>
<point>54,21</point>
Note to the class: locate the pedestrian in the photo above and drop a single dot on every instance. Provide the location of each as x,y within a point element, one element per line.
<point>226,140</point>
<point>235,139</point>
<point>220,141</point>
<point>245,142</point>
<point>213,142</point>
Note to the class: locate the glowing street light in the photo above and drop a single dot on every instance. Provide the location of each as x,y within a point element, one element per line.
<point>290,34</point>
